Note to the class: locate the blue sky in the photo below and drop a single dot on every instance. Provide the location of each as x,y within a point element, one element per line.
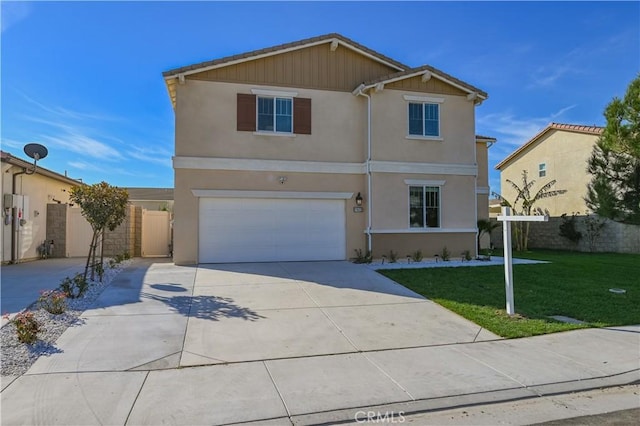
<point>85,78</point>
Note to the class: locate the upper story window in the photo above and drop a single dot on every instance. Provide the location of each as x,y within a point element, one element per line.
<point>542,169</point>
<point>276,112</point>
<point>424,206</point>
<point>424,119</point>
<point>424,116</point>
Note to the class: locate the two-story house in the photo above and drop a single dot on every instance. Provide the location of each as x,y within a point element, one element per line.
<point>314,149</point>
<point>560,152</point>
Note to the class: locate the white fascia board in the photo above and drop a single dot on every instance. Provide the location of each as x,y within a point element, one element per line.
<point>425,231</point>
<point>428,99</point>
<point>245,164</point>
<point>423,182</point>
<point>223,193</point>
<point>424,168</point>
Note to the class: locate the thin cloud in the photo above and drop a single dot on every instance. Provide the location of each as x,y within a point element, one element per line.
<point>64,113</point>
<point>84,145</point>
<point>159,156</point>
<point>13,12</point>
<point>105,172</point>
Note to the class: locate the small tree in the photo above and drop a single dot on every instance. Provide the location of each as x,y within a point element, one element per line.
<point>593,228</point>
<point>527,203</point>
<point>485,226</point>
<point>568,228</point>
<point>614,190</point>
<point>104,207</point>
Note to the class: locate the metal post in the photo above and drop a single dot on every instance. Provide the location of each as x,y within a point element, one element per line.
<point>508,262</point>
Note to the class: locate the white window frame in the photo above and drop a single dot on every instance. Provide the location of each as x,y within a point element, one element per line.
<point>424,184</point>
<point>424,100</point>
<point>274,96</point>
<point>542,169</point>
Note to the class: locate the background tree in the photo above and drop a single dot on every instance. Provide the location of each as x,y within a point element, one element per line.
<point>104,207</point>
<point>614,190</point>
<point>527,205</point>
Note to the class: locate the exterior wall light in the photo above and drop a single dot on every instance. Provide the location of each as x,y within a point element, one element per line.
<point>358,200</point>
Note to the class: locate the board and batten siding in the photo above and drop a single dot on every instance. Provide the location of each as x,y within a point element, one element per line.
<point>314,67</point>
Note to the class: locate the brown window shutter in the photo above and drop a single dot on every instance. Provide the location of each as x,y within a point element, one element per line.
<point>246,112</point>
<point>302,116</point>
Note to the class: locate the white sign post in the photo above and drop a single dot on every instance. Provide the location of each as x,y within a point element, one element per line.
<point>506,220</point>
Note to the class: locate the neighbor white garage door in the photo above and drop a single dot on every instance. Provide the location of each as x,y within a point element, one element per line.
<point>266,230</point>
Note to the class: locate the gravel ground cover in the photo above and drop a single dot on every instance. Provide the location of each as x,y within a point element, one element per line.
<point>17,357</point>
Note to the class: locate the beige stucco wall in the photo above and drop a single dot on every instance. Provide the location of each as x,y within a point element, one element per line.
<point>206,126</point>
<point>41,191</point>
<point>429,244</point>
<point>390,130</point>
<point>565,154</point>
<point>391,200</point>
<point>186,204</point>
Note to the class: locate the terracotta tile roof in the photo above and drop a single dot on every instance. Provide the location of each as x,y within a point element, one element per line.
<point>411,71</point>
<point>577,128</point>
<point>285,46</point>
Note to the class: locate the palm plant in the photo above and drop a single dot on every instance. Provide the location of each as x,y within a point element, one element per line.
<point>527,205</point>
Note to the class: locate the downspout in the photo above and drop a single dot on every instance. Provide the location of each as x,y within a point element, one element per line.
<point>475,153</point>
<point>359,92</point>
<point>14,220</point>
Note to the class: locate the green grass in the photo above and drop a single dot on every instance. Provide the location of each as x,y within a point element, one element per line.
<point>573,284</point>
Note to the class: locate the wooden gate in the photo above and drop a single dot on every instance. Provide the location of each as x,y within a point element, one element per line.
<point>156,233</point>
<point>79,234</point>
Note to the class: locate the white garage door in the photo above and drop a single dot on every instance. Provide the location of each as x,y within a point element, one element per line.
<point>267,230</point>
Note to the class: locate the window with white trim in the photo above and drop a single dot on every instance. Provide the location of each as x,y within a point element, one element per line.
<point>542,169</point>
<point>275,114</point>
<point>424,206</point>
<point>424,119</point>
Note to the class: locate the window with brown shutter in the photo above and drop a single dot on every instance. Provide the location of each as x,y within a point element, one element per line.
<point>246,112</point>
<point>302,116</point>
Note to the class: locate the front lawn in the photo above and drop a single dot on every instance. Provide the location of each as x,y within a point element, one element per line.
<point>575,285</point>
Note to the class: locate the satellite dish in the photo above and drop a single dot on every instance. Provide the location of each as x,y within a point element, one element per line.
<point>35,151</point>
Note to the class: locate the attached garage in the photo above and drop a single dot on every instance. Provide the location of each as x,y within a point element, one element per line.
<point>271,229</point>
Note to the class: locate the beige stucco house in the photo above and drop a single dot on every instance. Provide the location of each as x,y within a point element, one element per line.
<point>314,149</point>
<point>24,206</point>
<point>560,152</point>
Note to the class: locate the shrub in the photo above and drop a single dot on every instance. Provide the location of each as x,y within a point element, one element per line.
<point>568,228</point>
<point>74,288</point>
<point>393,256</point>
<point>126,255</point>
<point>27,326</point>
<point>363,257</point>
<point>53,301</point>
<point>417,256</point>
<point>466,255</point>
<point>593,225</point>
<point>445,255</point>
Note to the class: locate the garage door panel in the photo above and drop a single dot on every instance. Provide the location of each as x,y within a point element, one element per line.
<point>260,230</point>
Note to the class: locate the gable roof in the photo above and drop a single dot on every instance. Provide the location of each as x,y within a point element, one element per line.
<point>282,48</point>
<point>19,162</point>
<point>403,71</point>
<point>431,72</point>
<point>575,128</point>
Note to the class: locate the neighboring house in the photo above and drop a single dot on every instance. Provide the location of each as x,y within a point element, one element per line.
<point>559,152</point>
<point>152,198</point>
<point>314,149</point>
<point>24,206</point>
<point>495,207</point>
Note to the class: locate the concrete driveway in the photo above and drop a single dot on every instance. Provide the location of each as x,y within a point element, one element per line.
<point>21,283</point>
<point>288,343</point>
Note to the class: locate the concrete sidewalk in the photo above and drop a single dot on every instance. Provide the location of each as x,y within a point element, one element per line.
<point>284,343</point>
<point>20,284</point>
